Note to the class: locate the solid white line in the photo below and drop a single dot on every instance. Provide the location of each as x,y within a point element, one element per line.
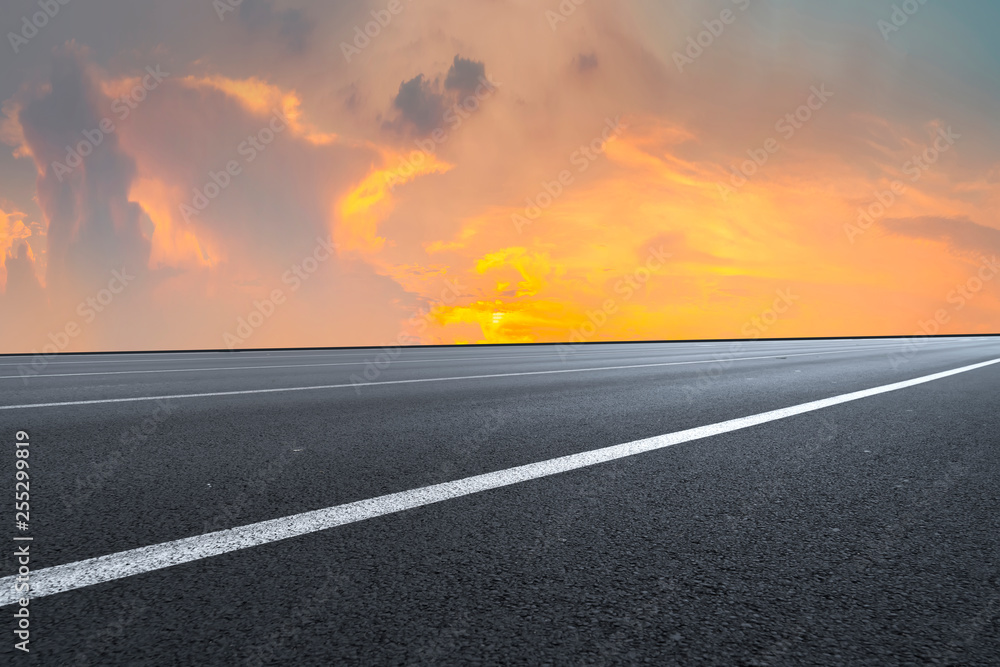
<point>613,348</point>
<point>169,357</point>
<point>278,390</point>
<point>338,363</point>
<point>364,354</point>
<point>102,569</point>
<point>251,368</point>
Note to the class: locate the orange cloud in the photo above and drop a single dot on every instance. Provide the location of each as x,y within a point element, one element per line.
<point>261,98</point>
<point>360,211</point>
<point>12,232</point>
<point>638,242</point>
<point>174,243</point>
<point>728,259</point>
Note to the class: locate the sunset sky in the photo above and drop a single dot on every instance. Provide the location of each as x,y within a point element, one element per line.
<point>195,174</point>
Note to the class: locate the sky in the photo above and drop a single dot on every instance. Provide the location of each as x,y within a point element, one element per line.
<point>216,174</point>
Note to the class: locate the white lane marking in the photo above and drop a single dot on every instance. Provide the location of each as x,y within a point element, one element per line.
<point>62,578</point>
<point>278,390</point>
<point>338,363</point>
<point>611,348</point>
<point>251,368</point>
<point>169,357</point>
<point>362,354</point>
<point>365,353</point>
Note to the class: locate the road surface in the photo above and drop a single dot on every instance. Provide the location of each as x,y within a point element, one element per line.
<point>789,502</point>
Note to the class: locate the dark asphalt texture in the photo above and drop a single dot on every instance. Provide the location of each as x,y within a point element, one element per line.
<point>863,534</point>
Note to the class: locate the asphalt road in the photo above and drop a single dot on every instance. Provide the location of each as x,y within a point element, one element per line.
<point>862,532</point>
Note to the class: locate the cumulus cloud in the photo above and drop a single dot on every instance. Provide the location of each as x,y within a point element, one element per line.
<point>423,103</point>
<point>189,281</point>
<point>355,162</point>
<point>84,180</point>
<point>465,75</point>
<point>420,103</point>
